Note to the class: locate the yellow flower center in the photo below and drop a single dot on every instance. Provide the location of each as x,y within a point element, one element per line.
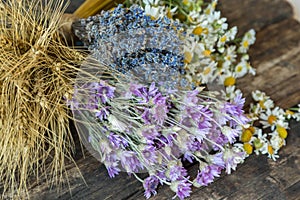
<point>270,150</point>
<point>245,44</point>
<point>206,71</point>
<point>206,53</point>
<point>205,31</point>
<point>257,144</point>
<point>197,82</point>
<point>252,129</point>
<point>289,112</point>
<point>198,30</point>
<point>207,12</point>
<point>188,57</point>
<point>214,4</point>
<point>281,131</point>
<point>229,81</point>
<point>262,104</point>
<point>272,119</point>
<point>239,68</point>
<point>223,39</point>
<point>246,136</point>
<point>190,19</point>
<point>248,148</point>
<point>185,2</point>
<point>152,17</point>
<point>169,14</point>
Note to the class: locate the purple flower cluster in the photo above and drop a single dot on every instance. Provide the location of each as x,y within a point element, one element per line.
<point>141,128</point>
<point>155,107</point>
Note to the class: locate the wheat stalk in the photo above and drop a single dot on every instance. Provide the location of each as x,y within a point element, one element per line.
<point>37,71</point>
<point>92,7</point>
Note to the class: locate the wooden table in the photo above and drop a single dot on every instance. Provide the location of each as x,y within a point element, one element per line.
<point>276,56</point>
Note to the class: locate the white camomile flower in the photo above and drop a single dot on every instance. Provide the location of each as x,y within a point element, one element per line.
<point>151,2</point>
<point>258,95</point>
<point>152,11</point>
<point>272,117</point>
<point>248,39</point>
<point>268,149</point>
<point>276,141</point>
<point>228,36</point>
<point>229,57</point>
<point>241,69</point>
<point>231,92</point>
<point>208,75</point>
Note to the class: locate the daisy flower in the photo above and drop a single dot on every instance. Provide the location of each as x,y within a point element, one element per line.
<point>248,39</point>
<point>272,117</point>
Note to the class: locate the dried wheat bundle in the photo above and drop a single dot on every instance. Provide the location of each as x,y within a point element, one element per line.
<point>36,74</point>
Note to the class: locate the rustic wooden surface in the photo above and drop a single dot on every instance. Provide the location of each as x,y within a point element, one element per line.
<point>276,56</point>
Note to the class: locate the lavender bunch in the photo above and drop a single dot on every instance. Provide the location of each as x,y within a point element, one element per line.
<point>142,48</point>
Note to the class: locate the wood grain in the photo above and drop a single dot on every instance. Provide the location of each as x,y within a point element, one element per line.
<point>276,58</point>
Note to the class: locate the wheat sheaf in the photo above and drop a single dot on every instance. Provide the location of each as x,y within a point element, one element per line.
<point>37,71</point>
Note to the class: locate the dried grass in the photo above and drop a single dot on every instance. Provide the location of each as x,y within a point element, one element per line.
<point>92,7</point>
<point>36,72</point>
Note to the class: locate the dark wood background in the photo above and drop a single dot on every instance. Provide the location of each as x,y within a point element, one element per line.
<point>276,56</point>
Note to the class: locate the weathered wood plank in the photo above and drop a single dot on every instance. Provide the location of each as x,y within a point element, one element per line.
<point>254,14</point>
<point>276,57</point>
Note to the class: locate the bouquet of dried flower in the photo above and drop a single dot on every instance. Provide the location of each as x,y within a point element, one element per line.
<point>164,91</point>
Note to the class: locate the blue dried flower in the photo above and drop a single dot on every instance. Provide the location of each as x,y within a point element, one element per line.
<point>143,49</point>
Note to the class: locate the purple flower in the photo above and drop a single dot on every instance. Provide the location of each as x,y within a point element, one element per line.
<point>161,176</point>
<point>218,159</point>
<point>111,163</point>
<point>146,116</point>
<point>218,138</point>
<point>143,92</point>
<point>150,184</point>
<point>159,99</point>
<point>191,98</point>
<point>239,102</point>
<point>152,90</point>
<point>103,91</point>
<point>232,157</point>
<point>234,111</point>
<point>113,170</point>
<point>116,141</point>
<point>182,188</point>
<point>160,112</point>
<point>230,133</point>
<point>129,161</point>
<point>162,141</point>
<point>150,133</point>
<point>204,120</point>
<point>188,156</point>
<point>207,175</point>
<point>199,115</point>
<point>102,113</point>
<point>150,154</point>
<point>188,145</point>
<point>176,172</point>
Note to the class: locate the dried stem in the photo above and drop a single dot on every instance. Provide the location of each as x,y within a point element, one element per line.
<point>37,71</point>
<point>92,7</point>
